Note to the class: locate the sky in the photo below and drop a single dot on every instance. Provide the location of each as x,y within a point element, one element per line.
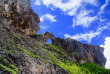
<point>87,21</point>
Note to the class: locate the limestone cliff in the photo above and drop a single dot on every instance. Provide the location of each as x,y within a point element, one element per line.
<point>19,14</point>
<point>22,51</point>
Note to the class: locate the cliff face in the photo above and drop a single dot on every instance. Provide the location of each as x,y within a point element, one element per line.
<point>85,52</point>
<point>19,14</point>
<point>82,53</point>
<point>22,51</point>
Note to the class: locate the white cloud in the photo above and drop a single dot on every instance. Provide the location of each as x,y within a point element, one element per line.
<point>107,51</point>
<point>83,19</point>
<point>70,7</point>
<point>87,36</point>
<point>37,2</point>
<point>103,7</point>
<point>102,10</point>
<point>48,17</point>
<point>44,27</point>
<point>92,2</point>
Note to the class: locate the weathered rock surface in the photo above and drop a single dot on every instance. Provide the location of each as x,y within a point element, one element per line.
<point>44,37</point>
<point>20,14</point>
<point>25,53</point>
<point>85,52</point>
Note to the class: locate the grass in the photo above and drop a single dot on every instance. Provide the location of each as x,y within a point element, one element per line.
<point>71,68</point>
<point>14,71</point>
<point>31,54</point>
<point>58,48</point>
<point>67,65</point>
<point>6,60</point>
<point>16,36</point>
<point>94,68</point>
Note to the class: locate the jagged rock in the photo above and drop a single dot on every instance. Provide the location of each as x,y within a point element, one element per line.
<point>85,52</point>
<point>24,62</point>
<point>20,14</point>
<point>44,37</point>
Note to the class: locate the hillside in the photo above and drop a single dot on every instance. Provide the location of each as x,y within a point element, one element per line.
<point>22,51</point>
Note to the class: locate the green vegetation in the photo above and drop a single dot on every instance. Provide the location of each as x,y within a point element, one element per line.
<point>72,53</point>
<point>94,69</point>
<point>6,60</point>
<point>16,36</point>
<point>31,54</point>
<point>54,58</point>
<point>14,71</point>
<point>71,68</point>
<point>58,48</point>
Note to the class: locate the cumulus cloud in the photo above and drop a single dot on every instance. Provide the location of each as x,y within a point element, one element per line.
<point>107,51</point>
<point>71,8</point>
<point>87,36</point>
<point>37,2</point>
<point>48,17</point>
<point>84,19</point>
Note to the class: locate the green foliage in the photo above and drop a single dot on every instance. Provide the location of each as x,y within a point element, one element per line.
<point>72,53</point>
<point>94,69</point>
<point>15,69</point>
<point>16,36</point>
<point>10,70</point>
<point>58,48</point>
<point>6,60</point>
<point>31,54</point>
<point>72,68</point>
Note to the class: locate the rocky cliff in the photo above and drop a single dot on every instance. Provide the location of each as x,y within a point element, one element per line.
<point>19,14</point>
<point>22,51</point>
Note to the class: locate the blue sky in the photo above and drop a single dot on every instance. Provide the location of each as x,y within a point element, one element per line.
<point>85,20</point>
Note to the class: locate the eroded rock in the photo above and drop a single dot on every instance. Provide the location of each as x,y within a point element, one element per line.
<point>20,14</point>
<point>44,37</point>
<point>85,53</point>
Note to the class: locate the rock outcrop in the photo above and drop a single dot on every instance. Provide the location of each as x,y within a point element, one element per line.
<point>22,51</point>
<point>44,37</point>
<point>85,52</point>
<point>19,14</point>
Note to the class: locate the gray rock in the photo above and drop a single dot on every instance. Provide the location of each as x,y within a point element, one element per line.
<point>20,14</point>
<point>85,53</point>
